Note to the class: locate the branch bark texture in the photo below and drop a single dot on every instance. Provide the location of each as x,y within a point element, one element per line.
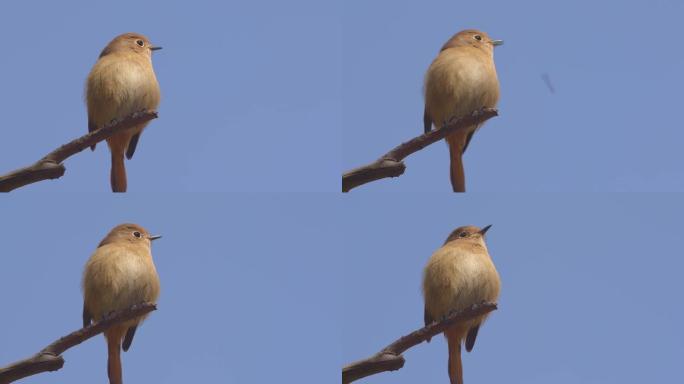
<point>391,164</point>
<point>50,359</point>
<point>390,358</point>
<point>51,167</point>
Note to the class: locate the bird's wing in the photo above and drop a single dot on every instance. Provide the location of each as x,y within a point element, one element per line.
<point>91,127</point>
<point>427,120</point>
<point>87,317</point>
<point>470,338</point>
<point>128,339</point>
<point>131,145</point>
<point>426,316</point>
<point>428,319</point>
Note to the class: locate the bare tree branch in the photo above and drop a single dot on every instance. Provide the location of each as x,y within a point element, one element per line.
<point>49,358</point>
<point>51,167</point>
<point>391,164</point>
<point>390,358</point>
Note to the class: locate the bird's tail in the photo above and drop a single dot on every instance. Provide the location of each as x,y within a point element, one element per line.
<point>114,336</point>
<point>457,173</point>
<point>118,173</point>
<point>455,366</point>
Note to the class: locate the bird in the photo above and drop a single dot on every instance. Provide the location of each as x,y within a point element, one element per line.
<point>457,276</point>
<point>119,274</point>
<point>461,79</point>
<point>122,82</point>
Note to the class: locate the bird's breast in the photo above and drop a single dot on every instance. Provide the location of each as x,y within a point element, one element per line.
<point>117,277</point>
<point>120,86</point>
<point>458,277</point>
<point>460,82</point>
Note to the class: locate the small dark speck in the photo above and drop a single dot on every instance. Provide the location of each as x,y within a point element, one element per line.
<point>547,81</point>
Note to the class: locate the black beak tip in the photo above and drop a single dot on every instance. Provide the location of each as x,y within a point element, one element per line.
<point>485,229</point>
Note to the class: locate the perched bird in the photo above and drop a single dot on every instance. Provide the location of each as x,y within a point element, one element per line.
<point>122,82</point>
<point>119,274</point>
<point>457,276</point>
<point>460,80</point>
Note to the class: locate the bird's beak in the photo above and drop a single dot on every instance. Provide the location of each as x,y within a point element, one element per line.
<point>155,48</point>
<point>497,42</point>
<point>155,237</point>
<point>485,229</point>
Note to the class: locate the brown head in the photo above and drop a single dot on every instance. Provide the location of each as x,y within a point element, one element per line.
<point>130,42</point>
<point>468,233</point>
<point>131,233</point>
<point>472,38</point>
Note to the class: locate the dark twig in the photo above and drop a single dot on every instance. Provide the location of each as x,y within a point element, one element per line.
<point>49,358</point>
<point>51,167</point>
<point>391,164</point>
<point>390,358</point>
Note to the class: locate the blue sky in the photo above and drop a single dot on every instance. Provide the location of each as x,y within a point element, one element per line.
<point>250,92</point>
<point>590,285</point>
<point>280,97</point>
<point>611,125</point>
<point>250,286</point>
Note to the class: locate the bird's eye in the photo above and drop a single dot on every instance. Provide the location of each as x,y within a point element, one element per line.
<point>140,43</point>
<point>478,37</point>
<point>463,234</point>
<point>137,234</point>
